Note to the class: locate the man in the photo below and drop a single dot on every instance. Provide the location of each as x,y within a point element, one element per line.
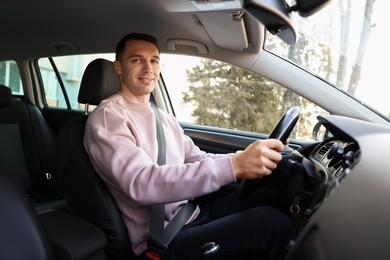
<point>121,140</point>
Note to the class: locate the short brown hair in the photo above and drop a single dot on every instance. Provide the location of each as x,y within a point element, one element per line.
<point>133,36</point>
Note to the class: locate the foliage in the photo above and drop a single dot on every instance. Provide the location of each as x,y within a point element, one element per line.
<point>228,96</point>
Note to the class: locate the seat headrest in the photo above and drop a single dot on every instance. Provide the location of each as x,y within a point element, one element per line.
<point>98,83</point>
<point>5,96</point>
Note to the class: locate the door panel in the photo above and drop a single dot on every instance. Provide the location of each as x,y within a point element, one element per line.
<point>219,140</point>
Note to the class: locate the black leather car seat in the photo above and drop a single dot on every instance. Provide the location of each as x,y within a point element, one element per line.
<point>53,234</point>
<point>85,192</point>
<point>28,145</point>
<point>22,236</point>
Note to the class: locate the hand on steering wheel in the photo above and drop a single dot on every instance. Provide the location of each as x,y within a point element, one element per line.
<point>281,131</point>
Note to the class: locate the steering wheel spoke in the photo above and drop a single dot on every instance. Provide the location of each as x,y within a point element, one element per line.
<point>281,131</point>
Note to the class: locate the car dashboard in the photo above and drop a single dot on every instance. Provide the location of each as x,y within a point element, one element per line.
<point>351,211</point>
<point>333,156</point>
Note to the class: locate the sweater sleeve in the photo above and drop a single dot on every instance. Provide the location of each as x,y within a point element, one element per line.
<point>121,154</point>
<point>192,152</point>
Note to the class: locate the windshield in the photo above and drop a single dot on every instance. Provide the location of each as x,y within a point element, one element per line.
<point>349,50</point>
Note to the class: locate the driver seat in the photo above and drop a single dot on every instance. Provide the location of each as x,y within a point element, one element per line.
<point>86,194</point>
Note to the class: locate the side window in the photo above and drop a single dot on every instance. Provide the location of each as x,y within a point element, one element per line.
<point>10,77</point>
<point>212,93</point>
<point>70,69</point>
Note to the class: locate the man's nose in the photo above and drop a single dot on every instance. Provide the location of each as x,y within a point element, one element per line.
<point>147,67</point>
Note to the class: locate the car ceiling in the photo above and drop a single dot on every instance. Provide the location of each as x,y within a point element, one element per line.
<point>50,28</point>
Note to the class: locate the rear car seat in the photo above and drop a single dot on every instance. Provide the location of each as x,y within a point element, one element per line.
<point>28,161</point>
<point>28,144</point>
<point>53,234</point>
<point>21,236</point>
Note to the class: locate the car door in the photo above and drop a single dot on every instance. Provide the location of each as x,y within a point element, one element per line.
<point>224,108</point>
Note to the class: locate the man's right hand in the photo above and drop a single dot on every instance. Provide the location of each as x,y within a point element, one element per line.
<point>258,159</point>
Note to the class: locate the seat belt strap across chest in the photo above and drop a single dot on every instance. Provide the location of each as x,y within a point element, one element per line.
<point>159,238</point>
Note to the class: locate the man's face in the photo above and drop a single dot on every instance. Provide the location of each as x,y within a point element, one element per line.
<point>138,69</point>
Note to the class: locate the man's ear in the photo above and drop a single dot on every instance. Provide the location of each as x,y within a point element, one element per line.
<point>117,67</point>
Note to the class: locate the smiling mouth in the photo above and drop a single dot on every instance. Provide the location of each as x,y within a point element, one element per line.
<point>146,79</point>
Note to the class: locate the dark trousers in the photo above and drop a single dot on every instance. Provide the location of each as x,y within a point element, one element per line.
<point>255,228</point>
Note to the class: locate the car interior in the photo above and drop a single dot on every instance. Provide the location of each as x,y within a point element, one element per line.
<point>55,204</point>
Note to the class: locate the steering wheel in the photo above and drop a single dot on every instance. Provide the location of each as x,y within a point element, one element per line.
<point>281,131</point>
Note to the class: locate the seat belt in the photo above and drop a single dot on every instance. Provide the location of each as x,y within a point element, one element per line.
<point>159,238</point>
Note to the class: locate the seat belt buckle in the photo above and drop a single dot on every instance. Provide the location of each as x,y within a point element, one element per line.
<point>153,256</point>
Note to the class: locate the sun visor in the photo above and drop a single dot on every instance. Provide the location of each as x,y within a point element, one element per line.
<point>197,6</point>
<point>227,30</point>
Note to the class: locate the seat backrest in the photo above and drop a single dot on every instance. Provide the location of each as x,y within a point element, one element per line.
<point>11,144</point>
<point>22,236</point>
<point>87,195</point>
<point>28,144</point>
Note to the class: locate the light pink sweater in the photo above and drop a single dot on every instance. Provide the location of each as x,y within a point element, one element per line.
<point>120,138</point>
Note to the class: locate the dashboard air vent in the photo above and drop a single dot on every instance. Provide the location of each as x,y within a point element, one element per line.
<point>323,150</point>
